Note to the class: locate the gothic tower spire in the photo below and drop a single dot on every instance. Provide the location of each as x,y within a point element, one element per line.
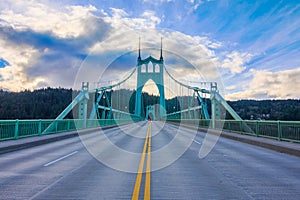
<point>139,57</point>
<point>161,57</point>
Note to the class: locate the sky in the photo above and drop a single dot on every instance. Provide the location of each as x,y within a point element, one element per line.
<point>250,47</point>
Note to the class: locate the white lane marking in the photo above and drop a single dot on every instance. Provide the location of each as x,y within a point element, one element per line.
<point>54,161</point>
<point>197,142</point>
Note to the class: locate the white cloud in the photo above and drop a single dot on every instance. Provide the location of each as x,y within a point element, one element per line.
<point>63,22</point>
<point>196,4</point>
<point>35,19</point>
<point>75,22</point>
<point>72,21</point>
<point>231,87</point>
<point>148,14</point>
<point>14,76</point>
<point>264,84</point>
<point>121,21</point>
<point>119,13</point>
<point>235,61</point>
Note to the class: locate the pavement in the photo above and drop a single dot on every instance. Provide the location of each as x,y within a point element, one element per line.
<point>28,142</point>
<point>291,148</point>
<point>90,167</point>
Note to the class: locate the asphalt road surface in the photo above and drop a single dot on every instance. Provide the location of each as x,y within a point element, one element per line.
<point>148,160</point>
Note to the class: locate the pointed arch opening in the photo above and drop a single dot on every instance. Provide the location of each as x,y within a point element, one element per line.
<point>150,94</point>
<point>151,88</point>
<point>157,68</point>
<point>150,67</point>
<point>143,68</point>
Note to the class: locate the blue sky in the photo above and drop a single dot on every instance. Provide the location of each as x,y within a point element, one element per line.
<point>254,45</point>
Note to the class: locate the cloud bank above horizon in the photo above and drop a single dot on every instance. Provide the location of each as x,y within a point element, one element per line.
<point>254,46</point>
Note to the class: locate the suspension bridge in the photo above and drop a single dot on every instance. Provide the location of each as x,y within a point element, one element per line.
<point>131,148</point>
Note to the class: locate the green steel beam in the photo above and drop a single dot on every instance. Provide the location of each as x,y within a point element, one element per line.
<point>220,99</point>
<point>69,108</point>
<point>94,109</point>
<point>204,106</point>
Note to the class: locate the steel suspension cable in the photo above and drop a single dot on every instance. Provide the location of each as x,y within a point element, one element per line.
<point>123,81</point>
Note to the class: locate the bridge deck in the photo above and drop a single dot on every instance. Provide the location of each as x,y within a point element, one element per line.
<point>65,170</point>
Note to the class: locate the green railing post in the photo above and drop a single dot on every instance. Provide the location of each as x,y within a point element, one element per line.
<point>68,125</point>
<point>40,127</point>
<point>16,129</point>
<point>56,125</point>
<point>241,127</point>
<point>257,128</point>
<point>279,131</point>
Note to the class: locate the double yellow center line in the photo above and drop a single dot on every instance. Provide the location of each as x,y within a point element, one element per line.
<point>137,186</point>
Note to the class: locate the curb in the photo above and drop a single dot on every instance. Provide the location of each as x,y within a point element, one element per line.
<point>279,146</point>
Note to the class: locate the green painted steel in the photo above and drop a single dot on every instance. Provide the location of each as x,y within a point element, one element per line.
<point>279,130</point>
<point>204,111</point>
<point>82,108</point>
<point>150,69</point>
<point>16,129</point>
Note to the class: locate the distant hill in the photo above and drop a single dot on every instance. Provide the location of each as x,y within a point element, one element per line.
<point>268,109</point>
<point>39,104</point>
<point>48,103</point>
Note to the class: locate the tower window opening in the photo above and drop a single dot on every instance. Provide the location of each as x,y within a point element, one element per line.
<point>150,67</point>
<point>143,68</point>
<point>157,69</point>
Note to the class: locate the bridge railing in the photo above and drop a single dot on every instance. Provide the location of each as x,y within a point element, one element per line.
<point>280,130</point>
<point>15,129</point>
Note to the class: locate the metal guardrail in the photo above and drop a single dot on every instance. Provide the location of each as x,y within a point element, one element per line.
<point>279,130</point>
<point>15,129</point>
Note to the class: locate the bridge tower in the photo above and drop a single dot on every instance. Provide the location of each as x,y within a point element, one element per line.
<point>150,69</point>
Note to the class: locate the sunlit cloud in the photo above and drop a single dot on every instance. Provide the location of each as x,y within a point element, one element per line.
<point>235,62</point>
<point>46,43</point>
<point>276,85</point>
<point>63,22</point>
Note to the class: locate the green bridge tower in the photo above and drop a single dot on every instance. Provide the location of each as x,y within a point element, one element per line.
<point>150,69</point>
